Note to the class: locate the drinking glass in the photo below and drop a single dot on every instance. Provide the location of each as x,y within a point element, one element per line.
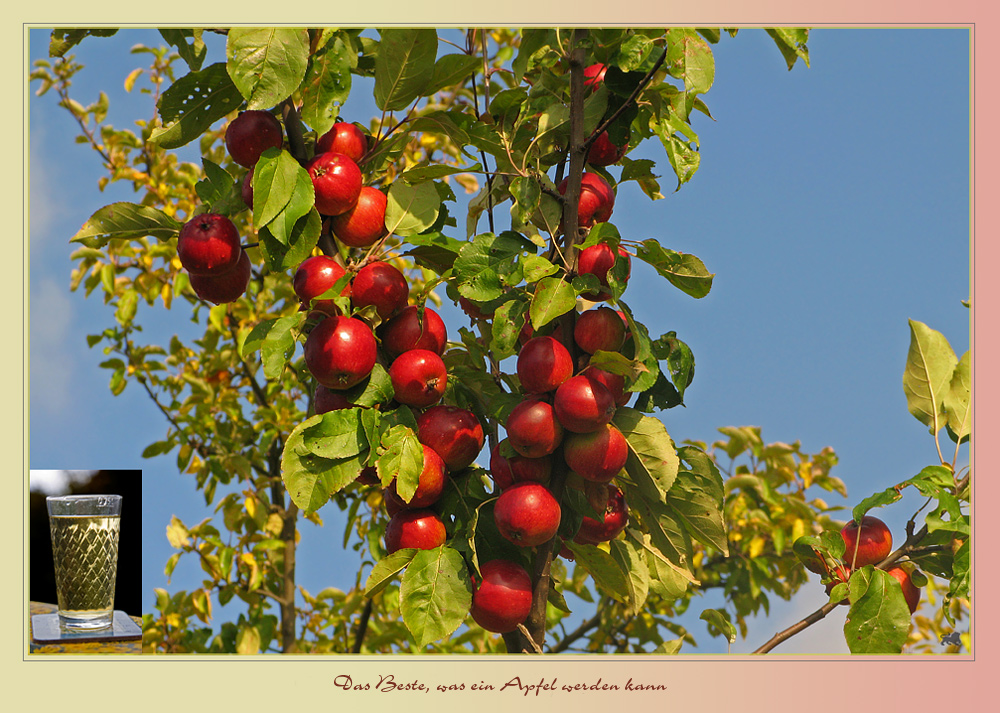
<point>84,532</point>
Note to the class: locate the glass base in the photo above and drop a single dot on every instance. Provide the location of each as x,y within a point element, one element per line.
<point>75,621</point>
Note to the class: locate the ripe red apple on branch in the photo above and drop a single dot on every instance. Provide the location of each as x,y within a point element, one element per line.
<point>502,597</point>
<point>517,468</point>
<point>344,138</point>
<point>208,244</point>
<point>419,378</point>
<point>411,330</point>
<point>527,514</point>
<point>362,224</point>
<point>598,456</point>
<point>583,404</point>
<point>313,277</point>
<point>455,433</point>
<point>340,352</point>
<point>336,182</point>
<point>382,286</point>
<point>593,531</point>
<point>430,484</point>
<point>532,428</point>
<point>250,134</point>
<point>224,288</point>
<point>421,529</point>
<point>543,363</point>
<point>871,539</point>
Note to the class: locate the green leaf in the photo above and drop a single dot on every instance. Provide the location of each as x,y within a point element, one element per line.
<point>62,40</point>
<point>309,478</point>
<point>282,193</point>
<point>690,58</point>
<point>685,272</point>
<point>275,339</point>
<point>652,460</point>
<point>484,262</point>
<point>879,620</point>
<point>267,64</point>
<point>404,66</point>
<point>193,53</point>
<point>930,366</point>
<point>606,572</point>
<point>411,209</point>
<point>958,400</point>
<point>632,564</point>
<point>189,106</point>
<point>696,498</point>
<point>402,459</point>
<point>303,238</point>
<point>553,298</point>
<point>386,569</point>
<point>452,69</point>
<point>719,624</point>
<point>338,434</point>
<point>508,321</point>
<point>435,594</point>
<point>327,84</point>
<point>127,305</point>
<point>791,42</point>
<point>125,221</point>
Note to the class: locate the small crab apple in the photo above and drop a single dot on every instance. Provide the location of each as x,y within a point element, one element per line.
<point>340,352</point>
<point>250,134</point>
<point>344,138</point>
<point>593,531</point>
<point>421,529</point>
<point>597,260</point>
<point>336,182</point>
<point>542,364</point>
<point>314,276</point>
<point>527,514</point>
<point>382,286</point>
<point>583,404</point>
<point>208,244</point>
<point>598,456</point>
<point>599,329</point>
<point>517,468</point>
<point>502,597</point>
<point>532,428</point>
<point>227,287</point>
<point>419,378</point>
<point>410,329</point>
<point>454,432</point>
<point>362,224</point>
<point>872,540</point>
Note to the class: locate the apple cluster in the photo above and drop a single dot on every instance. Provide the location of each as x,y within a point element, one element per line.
<point>869,543</point>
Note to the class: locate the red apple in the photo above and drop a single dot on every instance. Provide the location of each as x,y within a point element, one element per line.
<point>336,181</point>
<point>429,486</point>
<point>542,364</point>
<point>455,433</point>
<point>597,260</point>
<point>599,329</point>
<point>421,529</point>
<point>246,190</point>
<point>227,287</point>
<point>250,134</point>
<point>911,592</point>
<point>502,598</point>
<point>344,138</point>
<point>598,456</point>
<point>615,518</point>
<point>612,382</point>
<point>381,285</point>
<point>597,199</point>
<point>593,75</point>
<point>527,514</point>
<point>208,244</point>
<point>872,540</point>
<point>340,352</point>
<point>314,276</point>
<point>518,469</point>
<point>419,378</point>
<point>604,153</point>
<point>408,330</point>
<point>326,400</point>
<point>533,430</point>
<point>583,404</point>
<point>362,224</point>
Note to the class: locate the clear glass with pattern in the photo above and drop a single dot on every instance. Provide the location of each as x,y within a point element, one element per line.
<point>84,531</point>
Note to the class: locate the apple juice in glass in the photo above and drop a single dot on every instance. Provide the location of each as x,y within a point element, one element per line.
<point>84,531</point>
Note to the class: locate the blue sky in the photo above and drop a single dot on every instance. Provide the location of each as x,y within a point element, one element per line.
<point>832,204</point>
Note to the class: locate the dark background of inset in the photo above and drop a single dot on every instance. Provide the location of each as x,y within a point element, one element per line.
<point>128,583</point>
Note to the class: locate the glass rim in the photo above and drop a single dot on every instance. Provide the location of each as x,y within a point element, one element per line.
<point>81,498</point>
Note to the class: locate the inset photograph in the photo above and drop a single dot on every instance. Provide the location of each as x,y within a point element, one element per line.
<point>85,553</point>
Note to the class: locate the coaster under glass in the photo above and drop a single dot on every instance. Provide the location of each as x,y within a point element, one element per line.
<point>48,629</point>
